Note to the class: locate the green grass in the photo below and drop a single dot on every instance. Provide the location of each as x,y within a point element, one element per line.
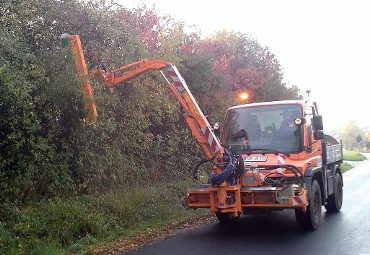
<point>353,156</point>
<point>76,224</point>
<point>344,167</point>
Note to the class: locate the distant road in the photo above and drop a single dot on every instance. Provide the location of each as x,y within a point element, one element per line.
<point>347,232</point>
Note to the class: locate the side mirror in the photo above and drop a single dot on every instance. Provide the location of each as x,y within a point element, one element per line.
<point>317,123</point>
<point>216,129</point>
<point>318,135</point>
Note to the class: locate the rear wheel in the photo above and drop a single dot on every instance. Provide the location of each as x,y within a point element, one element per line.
<point>226,217</point>
<point>311,218</point>
<point>335,200</point>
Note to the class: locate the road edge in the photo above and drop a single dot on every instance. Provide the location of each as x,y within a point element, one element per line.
<point>151,236</point>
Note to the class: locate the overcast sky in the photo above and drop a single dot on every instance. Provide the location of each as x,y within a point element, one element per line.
<point>323,46</point>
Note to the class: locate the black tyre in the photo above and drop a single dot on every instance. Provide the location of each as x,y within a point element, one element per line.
<point>226,217</point>
<point>335,200</point>
<point>311,218</point>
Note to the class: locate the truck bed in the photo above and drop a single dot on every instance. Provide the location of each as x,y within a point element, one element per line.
<point>333,150</point>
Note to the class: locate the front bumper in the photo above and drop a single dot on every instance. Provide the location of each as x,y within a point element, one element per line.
<point>236,198</point>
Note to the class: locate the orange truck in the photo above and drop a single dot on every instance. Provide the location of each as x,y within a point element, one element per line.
<point>268,156</point>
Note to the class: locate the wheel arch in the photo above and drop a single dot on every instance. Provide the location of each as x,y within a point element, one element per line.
<point>315,173</point>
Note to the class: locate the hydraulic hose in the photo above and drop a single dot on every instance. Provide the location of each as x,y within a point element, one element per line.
<point>195,170</point>
<point>295,170</point>
<point>217,179</point>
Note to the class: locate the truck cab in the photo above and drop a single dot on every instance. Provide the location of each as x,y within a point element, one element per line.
<point>287,164</point>
<point>270,127</point>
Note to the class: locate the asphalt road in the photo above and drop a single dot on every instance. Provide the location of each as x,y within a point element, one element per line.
<point>346,232</point>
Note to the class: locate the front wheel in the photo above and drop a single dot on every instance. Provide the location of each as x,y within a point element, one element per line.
<point>335,200</point>
<point>311,218</point>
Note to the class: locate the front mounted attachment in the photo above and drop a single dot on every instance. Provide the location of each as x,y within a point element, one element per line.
<point>232,167</point>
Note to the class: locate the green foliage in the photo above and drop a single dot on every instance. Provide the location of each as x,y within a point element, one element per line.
<point>344,167</point>
<point>62,226</point>
<point>25,147</point>
<point>45,150</point>
<point>353,156</point>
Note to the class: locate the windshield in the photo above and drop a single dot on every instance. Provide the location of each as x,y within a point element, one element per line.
<point>264,128</point>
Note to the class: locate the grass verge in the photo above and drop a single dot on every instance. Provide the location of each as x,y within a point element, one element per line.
<point>128,243</point>
<point>353,156</point>
<point>76,225</point>
<point>344,167</point>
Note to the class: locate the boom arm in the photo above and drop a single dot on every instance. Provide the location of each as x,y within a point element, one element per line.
<point>194,117</point>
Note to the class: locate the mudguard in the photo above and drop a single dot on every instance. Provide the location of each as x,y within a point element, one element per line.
<point>308,177</point>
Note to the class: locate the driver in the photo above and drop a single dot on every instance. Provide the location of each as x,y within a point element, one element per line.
<point>241,134</point>
<point>267,135</point>
<point>287,120</point>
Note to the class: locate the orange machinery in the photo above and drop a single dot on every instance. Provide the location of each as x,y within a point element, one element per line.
<point>246,178</point>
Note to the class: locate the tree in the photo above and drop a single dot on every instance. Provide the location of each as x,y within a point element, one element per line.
<point>348,133</point>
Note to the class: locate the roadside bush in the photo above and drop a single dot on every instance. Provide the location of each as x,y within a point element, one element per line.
<point>58,226</point>
<point>353,156</point>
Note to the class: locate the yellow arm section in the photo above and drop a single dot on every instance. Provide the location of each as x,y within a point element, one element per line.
<point>83,76</point>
